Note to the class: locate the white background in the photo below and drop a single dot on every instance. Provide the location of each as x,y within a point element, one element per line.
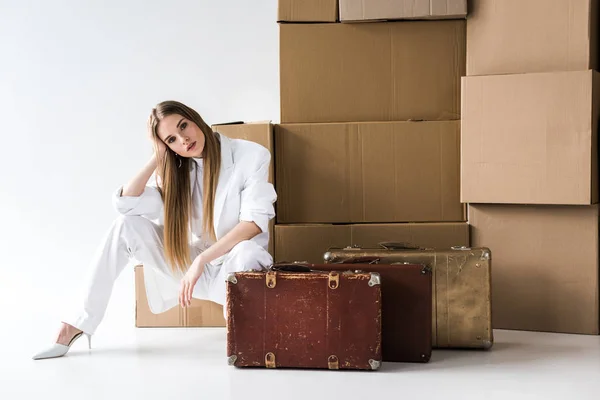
<point>78,79</point>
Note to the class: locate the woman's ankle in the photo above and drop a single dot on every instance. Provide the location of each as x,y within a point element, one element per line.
<point>66,334</point>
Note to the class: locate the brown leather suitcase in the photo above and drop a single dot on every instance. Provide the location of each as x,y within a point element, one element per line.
<point>462,309</point>
<point>294,316</point>
<point>406,309</point>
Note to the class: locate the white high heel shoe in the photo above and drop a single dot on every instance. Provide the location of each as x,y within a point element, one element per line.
<point>59,350</point>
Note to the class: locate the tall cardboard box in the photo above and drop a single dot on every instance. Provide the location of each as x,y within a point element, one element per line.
<point>519,36</point>
<point>204,313</point>
<point>384,71</point>
<point>307,11</point>
<point>369,10</point>
<point>530,138</point>
<point>545,265</point>
<point>368,172</point>
<point>309,242</point>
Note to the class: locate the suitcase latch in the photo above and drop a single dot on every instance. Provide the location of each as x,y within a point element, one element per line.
<point>334,280</point>
<point>333,362</point>
<point>270,360</point>
<point>271,280</point>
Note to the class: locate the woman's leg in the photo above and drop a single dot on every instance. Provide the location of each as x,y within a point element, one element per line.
<point>129,237</point>
<point>245,256</point>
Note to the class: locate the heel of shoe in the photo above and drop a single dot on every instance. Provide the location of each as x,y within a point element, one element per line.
<point>89,338</point>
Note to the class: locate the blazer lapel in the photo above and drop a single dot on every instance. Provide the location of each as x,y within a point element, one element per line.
<point>224,179</point>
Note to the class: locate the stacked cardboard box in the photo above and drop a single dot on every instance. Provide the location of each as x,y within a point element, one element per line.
<point>368,147</point>
<point>202,313</point>
<point>529,158</point>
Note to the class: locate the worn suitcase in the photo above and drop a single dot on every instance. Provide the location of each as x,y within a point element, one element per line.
<point>462,309</point>
<point>294,316</point>
<point>406,296</point>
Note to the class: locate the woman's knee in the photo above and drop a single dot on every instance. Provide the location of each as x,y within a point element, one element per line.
<point>132,221</point>
<point>128,225</point>
<point>249,255</point>
<point>246,248</point>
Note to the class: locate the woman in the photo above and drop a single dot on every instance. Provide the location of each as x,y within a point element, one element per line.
<point>205,214</point>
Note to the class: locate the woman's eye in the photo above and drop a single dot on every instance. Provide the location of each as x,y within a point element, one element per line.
<point>183,126</point>
<point>171,140</point>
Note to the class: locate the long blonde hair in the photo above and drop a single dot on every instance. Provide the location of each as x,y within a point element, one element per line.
<point>175,185</point>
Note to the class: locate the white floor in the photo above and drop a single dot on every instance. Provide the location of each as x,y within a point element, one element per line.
<point>190,363</point>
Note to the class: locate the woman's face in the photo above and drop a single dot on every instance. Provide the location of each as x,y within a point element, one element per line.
<point>181,135</point>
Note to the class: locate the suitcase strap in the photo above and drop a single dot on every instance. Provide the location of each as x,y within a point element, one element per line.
<point>298,267</point>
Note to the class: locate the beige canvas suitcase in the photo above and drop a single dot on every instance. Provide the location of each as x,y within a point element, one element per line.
<point>462,310</point>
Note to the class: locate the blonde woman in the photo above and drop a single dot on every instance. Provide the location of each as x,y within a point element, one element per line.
<point>198,210</point>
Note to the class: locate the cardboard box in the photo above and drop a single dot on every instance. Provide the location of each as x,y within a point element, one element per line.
<point>202,313</point>
<point>519,36</point>
<point>310,242</point>
<point>368,172</point>
<point>307,11</point>
<point>383,71</point>
<point>365,10</point>
<point>530,138</point>
<point>544,268</point>
<point>261,133</point>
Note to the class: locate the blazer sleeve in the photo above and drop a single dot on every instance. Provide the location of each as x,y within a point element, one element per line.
<point>258,195</point>
<point>149,204</point>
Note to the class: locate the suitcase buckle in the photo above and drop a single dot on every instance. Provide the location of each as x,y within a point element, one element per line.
<point>270,360</point>
<point>271,280</point>
<point>334,280</point>
<point>333,362</point>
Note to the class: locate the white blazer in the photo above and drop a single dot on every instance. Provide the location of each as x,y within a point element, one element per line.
<point>243,194</point>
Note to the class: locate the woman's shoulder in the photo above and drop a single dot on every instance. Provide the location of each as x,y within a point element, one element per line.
<point>243,149</point>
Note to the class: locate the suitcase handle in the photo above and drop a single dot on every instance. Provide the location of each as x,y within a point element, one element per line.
<point>360,260</point>
<point>290,267</point>
<point>399,246</point>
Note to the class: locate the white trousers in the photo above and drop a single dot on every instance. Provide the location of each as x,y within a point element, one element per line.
<point>136,237</point>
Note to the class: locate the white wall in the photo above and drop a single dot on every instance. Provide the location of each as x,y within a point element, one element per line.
<point>77,81</point>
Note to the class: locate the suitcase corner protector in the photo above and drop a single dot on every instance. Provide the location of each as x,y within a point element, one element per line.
<point>231,360</point>
<point>375,279</point>
<point>375,364</point>
<point>231,278</point>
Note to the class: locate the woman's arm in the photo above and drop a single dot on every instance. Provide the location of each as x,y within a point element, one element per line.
<point>244,230</point>
<point>256,210</point>
<point>137,197</point>
<point>135,187</point>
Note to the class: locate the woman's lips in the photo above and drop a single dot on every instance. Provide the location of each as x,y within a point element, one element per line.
<point>191,146</point>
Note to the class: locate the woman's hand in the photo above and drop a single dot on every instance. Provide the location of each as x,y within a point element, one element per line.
<point>161,147</point>
<point>189,281</point>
